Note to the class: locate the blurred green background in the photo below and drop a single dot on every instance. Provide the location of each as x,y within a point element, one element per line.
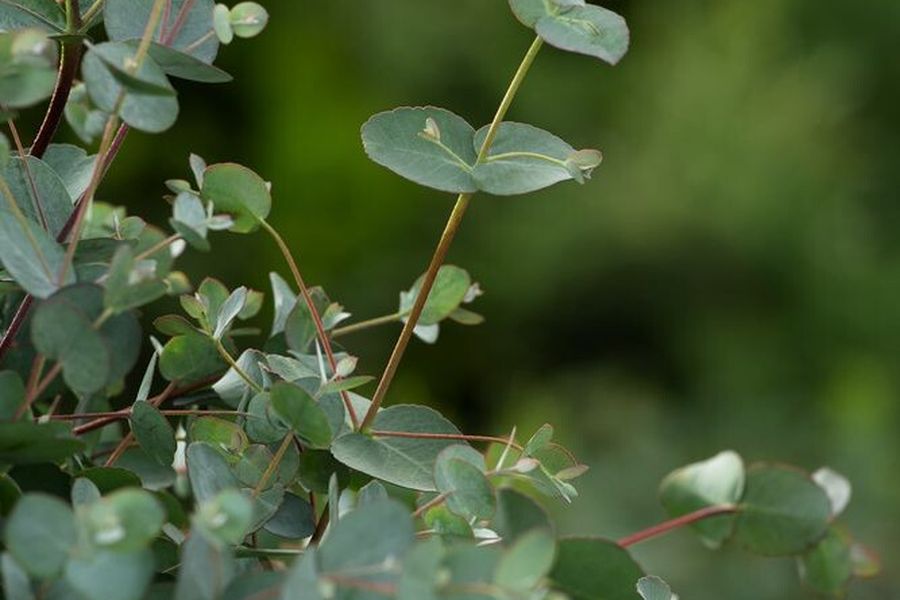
<point>730,279</point>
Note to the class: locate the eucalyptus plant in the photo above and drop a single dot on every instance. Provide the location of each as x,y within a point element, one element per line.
<point>241,471</point>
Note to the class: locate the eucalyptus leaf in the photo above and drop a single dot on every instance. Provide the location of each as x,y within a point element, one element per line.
<point>406,462</point>
<point>186,66</point>
<point>248,19</point>
<point>718,481</point>
<point>73,165</point>
<point>239,192</point>
<point>469,493</point>
<point>828,567</point>
<point>595,569</point>
<point>525,159</point>
<point>125,521</point>
<point>430,146</point>
<point>782,512</point>
<point>148,100</point>
<point>29,443</point>
<point>451,284</point>
<point>40,533</point>
<point>111,575</point>
<point>46,15</point>
<point>576,27</point>
<point>190,357</point>
<point>127,20</point>
<point>206,569</point>
<point>33,258</point>
<point>39,189</point>
<point>297,409</point>
<point>368,541</point>
<point>527,561</point>
<point>153,432</point>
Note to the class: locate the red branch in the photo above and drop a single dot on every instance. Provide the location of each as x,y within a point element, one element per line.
<point>667,526</point>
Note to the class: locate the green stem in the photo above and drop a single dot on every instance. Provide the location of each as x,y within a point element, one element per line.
<point>354,327</point>
<point>223,352</point>
<point>157,247</point>
<point>276,460</point>
<point>440,252</point>
<point>95,8</point>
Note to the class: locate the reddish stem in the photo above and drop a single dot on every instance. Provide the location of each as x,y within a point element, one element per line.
<point>68,69</point>
<point>676,523</point>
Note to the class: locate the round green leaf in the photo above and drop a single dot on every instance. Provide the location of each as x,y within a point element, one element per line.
<point>576,26</point>
<point>153,432</point>
<point>248,19</point>
<point>293,520</point>
<point>447,524</point>
<point>149,102</point>
<point>518,514</point>
<point>125,521</point>
<point>62,331</point>
<point>188,358</point>
<point>427,145</point>
<point>40,533</point>
<point>406,462</point>
<point>226,518</point>
<point>130,285</point>
<point>208,471</point>
<point>72,166</point>
<point>524,159</point>
<point>366,538</point>
<point>828,567</point>
<point>27,67</point>
<point>301,413</point>
<point>206,569</point>
<point>222,24</point>
<point>111,575</point>
<point>219,433</point>
<point>782,512</point>
<point>127,19</point>
<point>449,290</point>
<point>718,481</point>
<point>595,569</point>
<point>239,192</point>
<point>527,561</point>
<point>469,493</point>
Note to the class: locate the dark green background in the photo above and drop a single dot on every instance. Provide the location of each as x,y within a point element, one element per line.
<point>730,279</point>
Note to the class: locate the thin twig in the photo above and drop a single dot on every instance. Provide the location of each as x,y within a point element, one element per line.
<point>667,526</point>
<point>314,312</point>
<point>439,499</point>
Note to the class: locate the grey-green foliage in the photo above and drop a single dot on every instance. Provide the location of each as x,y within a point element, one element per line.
<point>436,148</point>
<point>236,456</point>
